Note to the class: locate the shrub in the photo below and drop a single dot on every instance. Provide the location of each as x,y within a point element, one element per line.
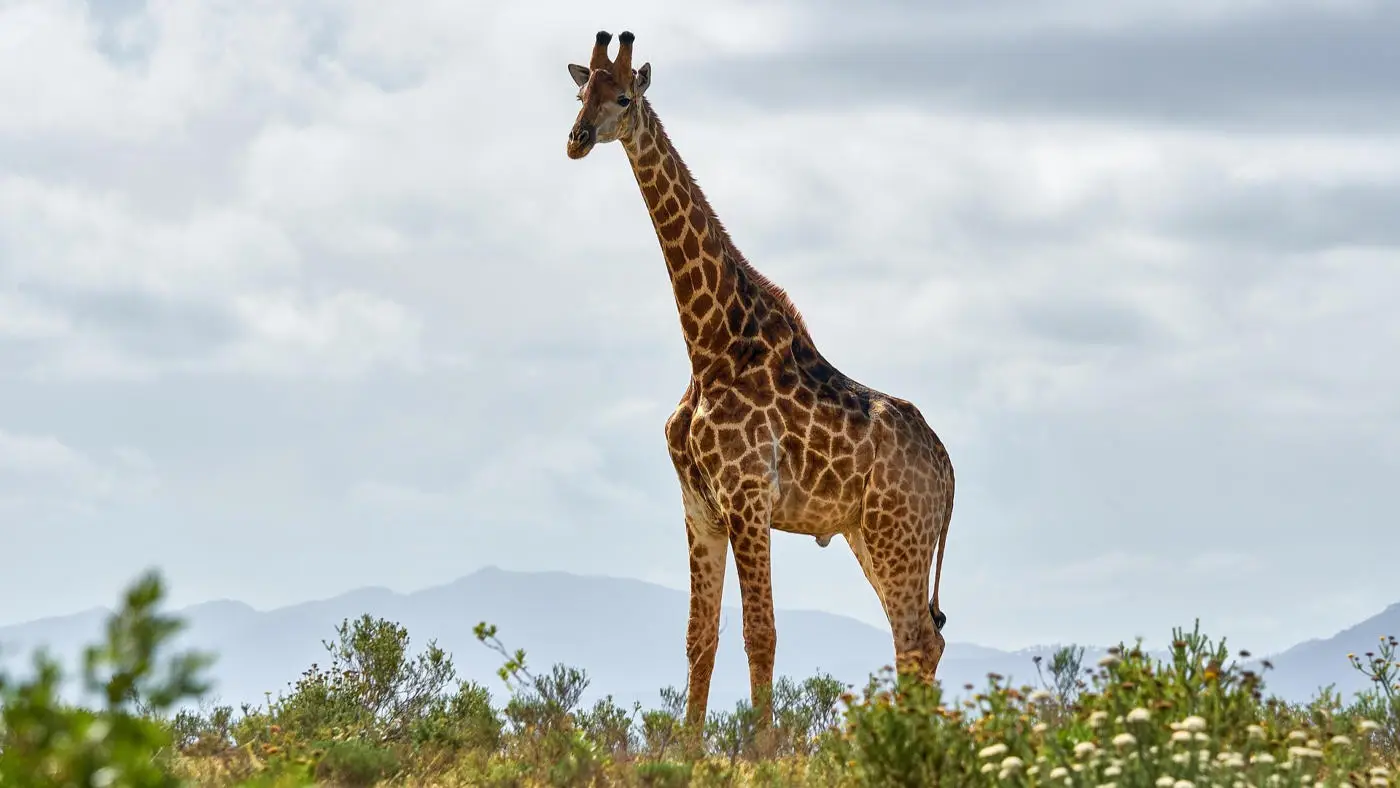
<point>1195,719</point>
<point>205,732</point>
<point>1379,707</point>
<point>372,689</point>
<point>805,714</point>
<point>464,720</point>
<point>352,763</point>
<point>373,706</point>
<point>45,742</point>
<point>547,736</point>
<point>663,774</point>
<point>660,729</point>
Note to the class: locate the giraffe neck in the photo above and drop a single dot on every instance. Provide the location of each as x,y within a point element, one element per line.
<point>726,307</point>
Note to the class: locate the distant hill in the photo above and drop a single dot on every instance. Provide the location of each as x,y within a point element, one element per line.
<point>627,634</point>
<point>1301,670</point>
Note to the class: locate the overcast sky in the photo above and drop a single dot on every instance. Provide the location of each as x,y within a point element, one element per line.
<point>297,297</point>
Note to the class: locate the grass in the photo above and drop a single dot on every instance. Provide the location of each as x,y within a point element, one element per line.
<point>379,713</point>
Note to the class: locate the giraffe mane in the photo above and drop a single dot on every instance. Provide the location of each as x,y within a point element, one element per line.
<point>767,286</point>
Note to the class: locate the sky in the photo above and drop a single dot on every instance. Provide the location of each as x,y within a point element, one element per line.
<point>303,296</point>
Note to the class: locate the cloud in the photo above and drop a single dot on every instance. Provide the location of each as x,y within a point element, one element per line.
<point>21,319</point>
<point>64,237</point>
<point>41,474</point>
<point>1244,65</point>
<point>344,334</point>
<point>109,278</point>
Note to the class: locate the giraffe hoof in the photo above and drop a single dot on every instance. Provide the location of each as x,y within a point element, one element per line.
<point>823,541</point>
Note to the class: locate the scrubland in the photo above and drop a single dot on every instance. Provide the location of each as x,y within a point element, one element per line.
<point>380,711</point>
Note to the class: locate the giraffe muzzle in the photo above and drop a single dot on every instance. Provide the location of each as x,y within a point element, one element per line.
<point>581,140</point>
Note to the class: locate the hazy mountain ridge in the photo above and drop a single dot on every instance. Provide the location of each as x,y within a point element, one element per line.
<point>1300,670</point>
<point>627,634</point>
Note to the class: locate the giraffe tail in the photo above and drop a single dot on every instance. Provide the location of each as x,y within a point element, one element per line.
<point>939,619</point>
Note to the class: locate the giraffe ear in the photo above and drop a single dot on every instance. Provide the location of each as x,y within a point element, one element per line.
<point>642,80</point>
<point>579,73</point>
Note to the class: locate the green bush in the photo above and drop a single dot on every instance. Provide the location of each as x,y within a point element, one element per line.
<point>1196,719</point>
<point>374,705</point>
<point>547,736</point>
<point>653,774</point>
<point>465,720</point>
<point>46,742</point>
<point>353,763</point>
<point>1379,706</point>
<point>372,689</point>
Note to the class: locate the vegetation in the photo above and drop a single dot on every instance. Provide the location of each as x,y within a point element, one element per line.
<point>379,714</point>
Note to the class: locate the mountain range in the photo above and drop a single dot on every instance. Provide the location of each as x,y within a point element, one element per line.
<point>627,634</point>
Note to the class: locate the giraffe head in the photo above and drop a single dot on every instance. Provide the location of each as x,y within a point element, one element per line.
<point>610,92</point>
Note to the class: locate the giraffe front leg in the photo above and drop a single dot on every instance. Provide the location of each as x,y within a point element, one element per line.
<point>709,547</point>
<point>752,542</point>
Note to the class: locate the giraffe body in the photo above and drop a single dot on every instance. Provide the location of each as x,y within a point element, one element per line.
<point>769,435</point>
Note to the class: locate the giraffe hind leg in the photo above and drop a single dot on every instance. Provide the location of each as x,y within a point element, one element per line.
<point>918,644</point>
<point>898,557</point>
<point>911,643</point>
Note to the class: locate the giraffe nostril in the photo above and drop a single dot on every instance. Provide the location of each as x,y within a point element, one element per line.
<point>582,134</point>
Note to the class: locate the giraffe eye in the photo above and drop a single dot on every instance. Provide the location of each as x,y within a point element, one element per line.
<point>623,101</point>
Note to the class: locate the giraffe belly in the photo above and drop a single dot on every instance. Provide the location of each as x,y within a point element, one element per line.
<point>798,512</point>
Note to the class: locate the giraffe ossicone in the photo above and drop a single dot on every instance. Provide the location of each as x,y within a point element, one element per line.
<point>769,435</point>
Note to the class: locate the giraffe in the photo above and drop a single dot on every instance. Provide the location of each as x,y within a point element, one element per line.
<point>769,435</point>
